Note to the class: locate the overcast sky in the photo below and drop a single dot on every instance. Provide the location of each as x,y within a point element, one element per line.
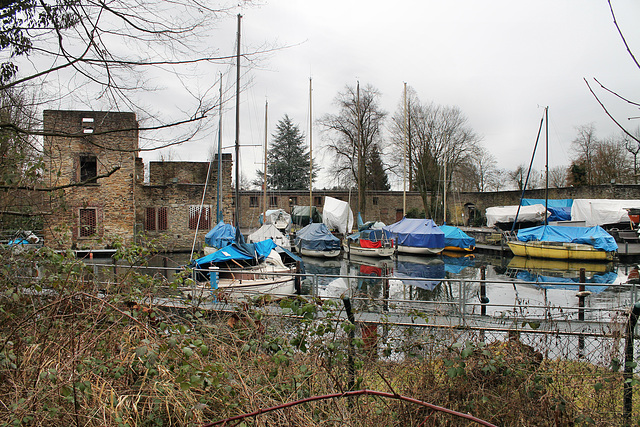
<point>500,62</point>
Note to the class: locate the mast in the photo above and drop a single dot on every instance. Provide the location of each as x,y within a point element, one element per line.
<point>404,172</point>
<point>362,205</point>
<point>310,154</point>
<point>237,145</point>
<point>264,180</point>
<point>444,202</point>
<point>546,186</point>
<point>219,191</point>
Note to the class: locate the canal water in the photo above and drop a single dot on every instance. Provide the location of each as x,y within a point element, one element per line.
<point>455,278</point>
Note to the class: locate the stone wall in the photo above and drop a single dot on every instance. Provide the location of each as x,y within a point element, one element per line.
<point>111,139</point>
<point>385,206</point>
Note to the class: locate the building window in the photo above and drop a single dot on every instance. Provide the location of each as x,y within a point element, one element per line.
<point>253,201</point>
<point>88,167</point>
<point>156,219</point>
<point>317,200</point>
<point>273,201</point>
<point>205,218</point>
<point>375,200</point>
<point>87,125</point>
<point>88,222</point>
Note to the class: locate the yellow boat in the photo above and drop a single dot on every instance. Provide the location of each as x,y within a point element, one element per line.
<point>559,250</point>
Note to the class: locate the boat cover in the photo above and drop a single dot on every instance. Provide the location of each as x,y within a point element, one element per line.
<point>369,238</point>
<point>602,211</point>
<point>277,217</point>
<point>532,213</point>
<point>551,203</point>
<point>594,236</point>
<point>337,215</point>
<point>453,236</point>
<point>316,237</point>
<point>559,214</point>
<point>425,276</point>
<point>255,252</point>
<point>267,231</point>
<point>421,233</point>
<point>221,235</point>
<point>300,215</point>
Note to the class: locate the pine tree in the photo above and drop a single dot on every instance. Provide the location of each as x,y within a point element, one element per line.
<point>288,158</point>
<point>376,176</point>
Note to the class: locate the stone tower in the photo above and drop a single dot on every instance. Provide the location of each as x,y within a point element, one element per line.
<point>90,158</point>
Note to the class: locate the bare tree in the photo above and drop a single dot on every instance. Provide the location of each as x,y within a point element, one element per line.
<point>438,138</point>
<point>353,134</point>
<point>584,146</point>
<point>558,176</point>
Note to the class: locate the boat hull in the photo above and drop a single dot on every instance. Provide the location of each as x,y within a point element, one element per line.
<point>319,254</point>
<point>415,250</point>
<point>370,252</point>
<point>569,251</point>
<point>459,249</point>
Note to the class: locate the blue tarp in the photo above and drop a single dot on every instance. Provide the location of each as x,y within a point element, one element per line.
<point>551,203</point>
<point>316,237</point>
<point>595,236</point>
<point>255,252</point>
<point>559,214</point>
<point>408,271</point>
<point>221,235</point>
<point>453,236</point>
<point>421,233</point>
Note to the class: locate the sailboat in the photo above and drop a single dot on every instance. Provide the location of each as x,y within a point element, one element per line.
<point>240,268</point>
<point>369,241</point>
<point>561,242</point>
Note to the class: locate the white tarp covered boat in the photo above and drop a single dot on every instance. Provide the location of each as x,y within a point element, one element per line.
<point>270,231</point>
<point>602,211</point>
<point>337,215</point>
<point>507,214</point>
<point>278,217</point>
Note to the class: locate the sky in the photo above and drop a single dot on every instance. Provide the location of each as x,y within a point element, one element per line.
<point>500,62</point>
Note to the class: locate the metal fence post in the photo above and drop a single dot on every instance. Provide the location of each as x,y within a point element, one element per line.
<point>352,334</point>
<point>628,364</point>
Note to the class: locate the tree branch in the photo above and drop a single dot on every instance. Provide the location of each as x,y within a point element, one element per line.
<point>61,187</point>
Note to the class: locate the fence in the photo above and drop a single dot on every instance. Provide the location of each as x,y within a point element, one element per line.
<point>484,337</point>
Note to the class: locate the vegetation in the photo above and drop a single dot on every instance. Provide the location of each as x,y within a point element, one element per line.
<point>79,347</point>
<point>288,165</point>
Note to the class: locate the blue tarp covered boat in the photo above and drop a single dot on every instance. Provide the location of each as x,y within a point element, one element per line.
<point>221,235</point>
<point>595,236</point>
<point>246,253</point>
<point>316,240</point>
<point>456,239</point>
<point>416,236</point>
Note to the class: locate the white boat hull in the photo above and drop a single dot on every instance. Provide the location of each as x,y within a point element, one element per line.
<point>319,254</point>
<point>415,250</point>
<point>372,252</point>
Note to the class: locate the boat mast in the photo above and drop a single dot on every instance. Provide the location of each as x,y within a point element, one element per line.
<point>237,145</point>
<point>310,154</point>
<point>546,186</point>
<point>404,172</point>
<point>264,180</point>
<point>219,191</point>
<point>444,201</point>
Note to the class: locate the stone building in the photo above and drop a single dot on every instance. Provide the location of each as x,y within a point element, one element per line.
<point>92,158</point>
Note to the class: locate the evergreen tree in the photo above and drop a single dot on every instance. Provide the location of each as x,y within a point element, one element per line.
<point>287,159</point>
<point>376,175</point>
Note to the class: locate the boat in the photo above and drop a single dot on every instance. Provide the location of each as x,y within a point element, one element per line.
<point>505,217</point>
<point>337,215</point>
<point>270,231</point>
<point>370,243</point>
<point>316,240</point>
<point>564,242</point>
<point>218,237</point>
<point>249,268</point>
<point>416,236</point>
<point>457,240</point>
<point>279,218</point>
